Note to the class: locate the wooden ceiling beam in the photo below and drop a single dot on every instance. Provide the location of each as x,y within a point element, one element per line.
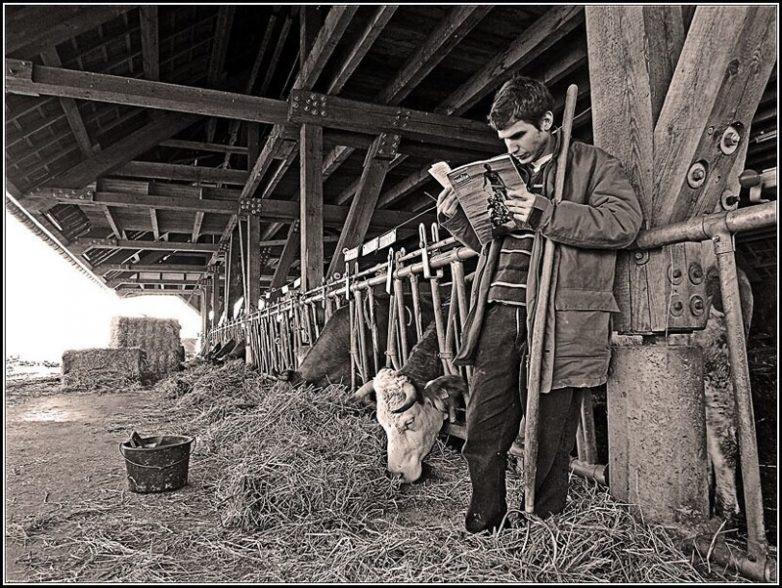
<point>153,267</point>
<point>86,244</point>
<point>204,146</point>
<point>51,58</point>
<point>150,42</point>
<point>538,38</point>
<point>190,173</point>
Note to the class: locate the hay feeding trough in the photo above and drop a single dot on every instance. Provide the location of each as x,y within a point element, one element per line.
<point>158,338</point>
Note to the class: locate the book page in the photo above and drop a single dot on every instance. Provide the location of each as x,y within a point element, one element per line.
<point>482,189</point>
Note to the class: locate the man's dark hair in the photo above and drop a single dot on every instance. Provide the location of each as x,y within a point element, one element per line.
<point>520,98</point>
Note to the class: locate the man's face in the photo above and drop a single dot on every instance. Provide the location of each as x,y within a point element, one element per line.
<point>525,141</point>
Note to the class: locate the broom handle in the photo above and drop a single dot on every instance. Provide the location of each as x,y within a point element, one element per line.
<point>541,310</point>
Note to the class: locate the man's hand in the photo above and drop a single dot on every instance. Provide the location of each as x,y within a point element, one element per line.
<point>447,204</point>
<point>520,203</point>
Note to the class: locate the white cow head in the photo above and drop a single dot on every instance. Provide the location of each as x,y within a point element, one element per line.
<point>410,417</point>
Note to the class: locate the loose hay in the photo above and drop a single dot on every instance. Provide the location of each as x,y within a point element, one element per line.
<point>289,485</point>
<point>159,338</point>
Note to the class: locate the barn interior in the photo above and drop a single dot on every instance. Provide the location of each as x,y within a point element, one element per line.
<point>221,153</point>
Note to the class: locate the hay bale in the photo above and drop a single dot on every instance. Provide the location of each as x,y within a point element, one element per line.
<point>158,338</point>
<point>97,369</point>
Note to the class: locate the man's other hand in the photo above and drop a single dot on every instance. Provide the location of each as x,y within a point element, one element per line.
<point>520,203</point>
<point>447,204</point>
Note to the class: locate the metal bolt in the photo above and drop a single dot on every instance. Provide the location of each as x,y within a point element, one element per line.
<point>698,174</point>
<point>732,138</point>
<point>678,306</point>
<point>677,273</point>
<point>639,255</point>
<point>697,304</point>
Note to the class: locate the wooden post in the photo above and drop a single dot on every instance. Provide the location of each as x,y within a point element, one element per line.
<point>254,270</point>
<point>216,298</point>
<point>234,288</point>
<point>311,183</point>
<point>675,108</point>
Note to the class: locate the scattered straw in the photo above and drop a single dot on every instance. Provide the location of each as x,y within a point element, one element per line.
<point>289,485</point>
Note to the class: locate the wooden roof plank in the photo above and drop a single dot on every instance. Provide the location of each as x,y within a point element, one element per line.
<point>361,47</point>
<point>33,29</point>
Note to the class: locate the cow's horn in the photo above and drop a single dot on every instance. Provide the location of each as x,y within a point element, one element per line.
<point>411,396</point>
<point>365,390</point>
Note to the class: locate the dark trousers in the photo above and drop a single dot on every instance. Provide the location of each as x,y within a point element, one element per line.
<point>497,398</point>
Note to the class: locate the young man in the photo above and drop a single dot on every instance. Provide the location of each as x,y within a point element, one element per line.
<point>599,213</point>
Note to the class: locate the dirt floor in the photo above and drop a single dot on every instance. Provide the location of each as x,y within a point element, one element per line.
<point>64,450</point>
<point>70,516</point>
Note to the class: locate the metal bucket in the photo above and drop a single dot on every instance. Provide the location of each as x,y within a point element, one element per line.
<point>159,465</point>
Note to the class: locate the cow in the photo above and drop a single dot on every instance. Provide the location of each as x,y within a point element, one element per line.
<point>412,404</point>
<point>327,361</point>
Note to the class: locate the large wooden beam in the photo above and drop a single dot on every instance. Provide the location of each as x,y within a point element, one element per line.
<point>85,244</point>
<point>361,47</point>
<point>234,282</point>
<point>70,108</point>
<point>189,173</point>
<point>23,77</point>
<point>720,77</point>
<point>255,261</point>
<point>381,152</point>
<point>289,253</point>
<point>199,219</point>
<point>150,44</point>
<point>276,210</point>
<point>203,146</point>
<point>152,267</point>
<point>311,198</point>
<point>30,30</point>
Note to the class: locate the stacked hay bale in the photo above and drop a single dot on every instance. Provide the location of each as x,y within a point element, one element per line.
<point>98,369</point>
<point>158,338</point>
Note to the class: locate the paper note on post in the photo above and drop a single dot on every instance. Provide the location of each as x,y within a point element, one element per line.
<point>439,171</point>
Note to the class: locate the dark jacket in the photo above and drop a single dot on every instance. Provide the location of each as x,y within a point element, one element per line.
<point>599,213</point>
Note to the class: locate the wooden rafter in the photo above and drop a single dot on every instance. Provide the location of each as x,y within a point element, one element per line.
<point>150,43</point>
<point>199,219</point>
<point>154,223</point>
<point>190,173</point>
<point>51,58</point>
<point>86,244</point>
<point>112,222</point>
<point>376,164</point>
<point>538,38</point>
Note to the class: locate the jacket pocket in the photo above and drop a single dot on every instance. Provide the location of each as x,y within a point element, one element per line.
<point>583,322</point>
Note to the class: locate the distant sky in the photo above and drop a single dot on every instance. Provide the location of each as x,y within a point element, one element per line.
<point>49,306</point>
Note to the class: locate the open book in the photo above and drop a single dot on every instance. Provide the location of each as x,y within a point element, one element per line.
<point>482,189</point>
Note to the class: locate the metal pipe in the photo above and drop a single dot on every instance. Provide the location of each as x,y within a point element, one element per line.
<point>362,336</point>
<point>588,427</point>
<point>761,569</point>
<point>416,305</point>
<point>739,367</point>
<point>373,330</point>
<point>457,277</point>
<point>591,471</point>
<point>704,227</point>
